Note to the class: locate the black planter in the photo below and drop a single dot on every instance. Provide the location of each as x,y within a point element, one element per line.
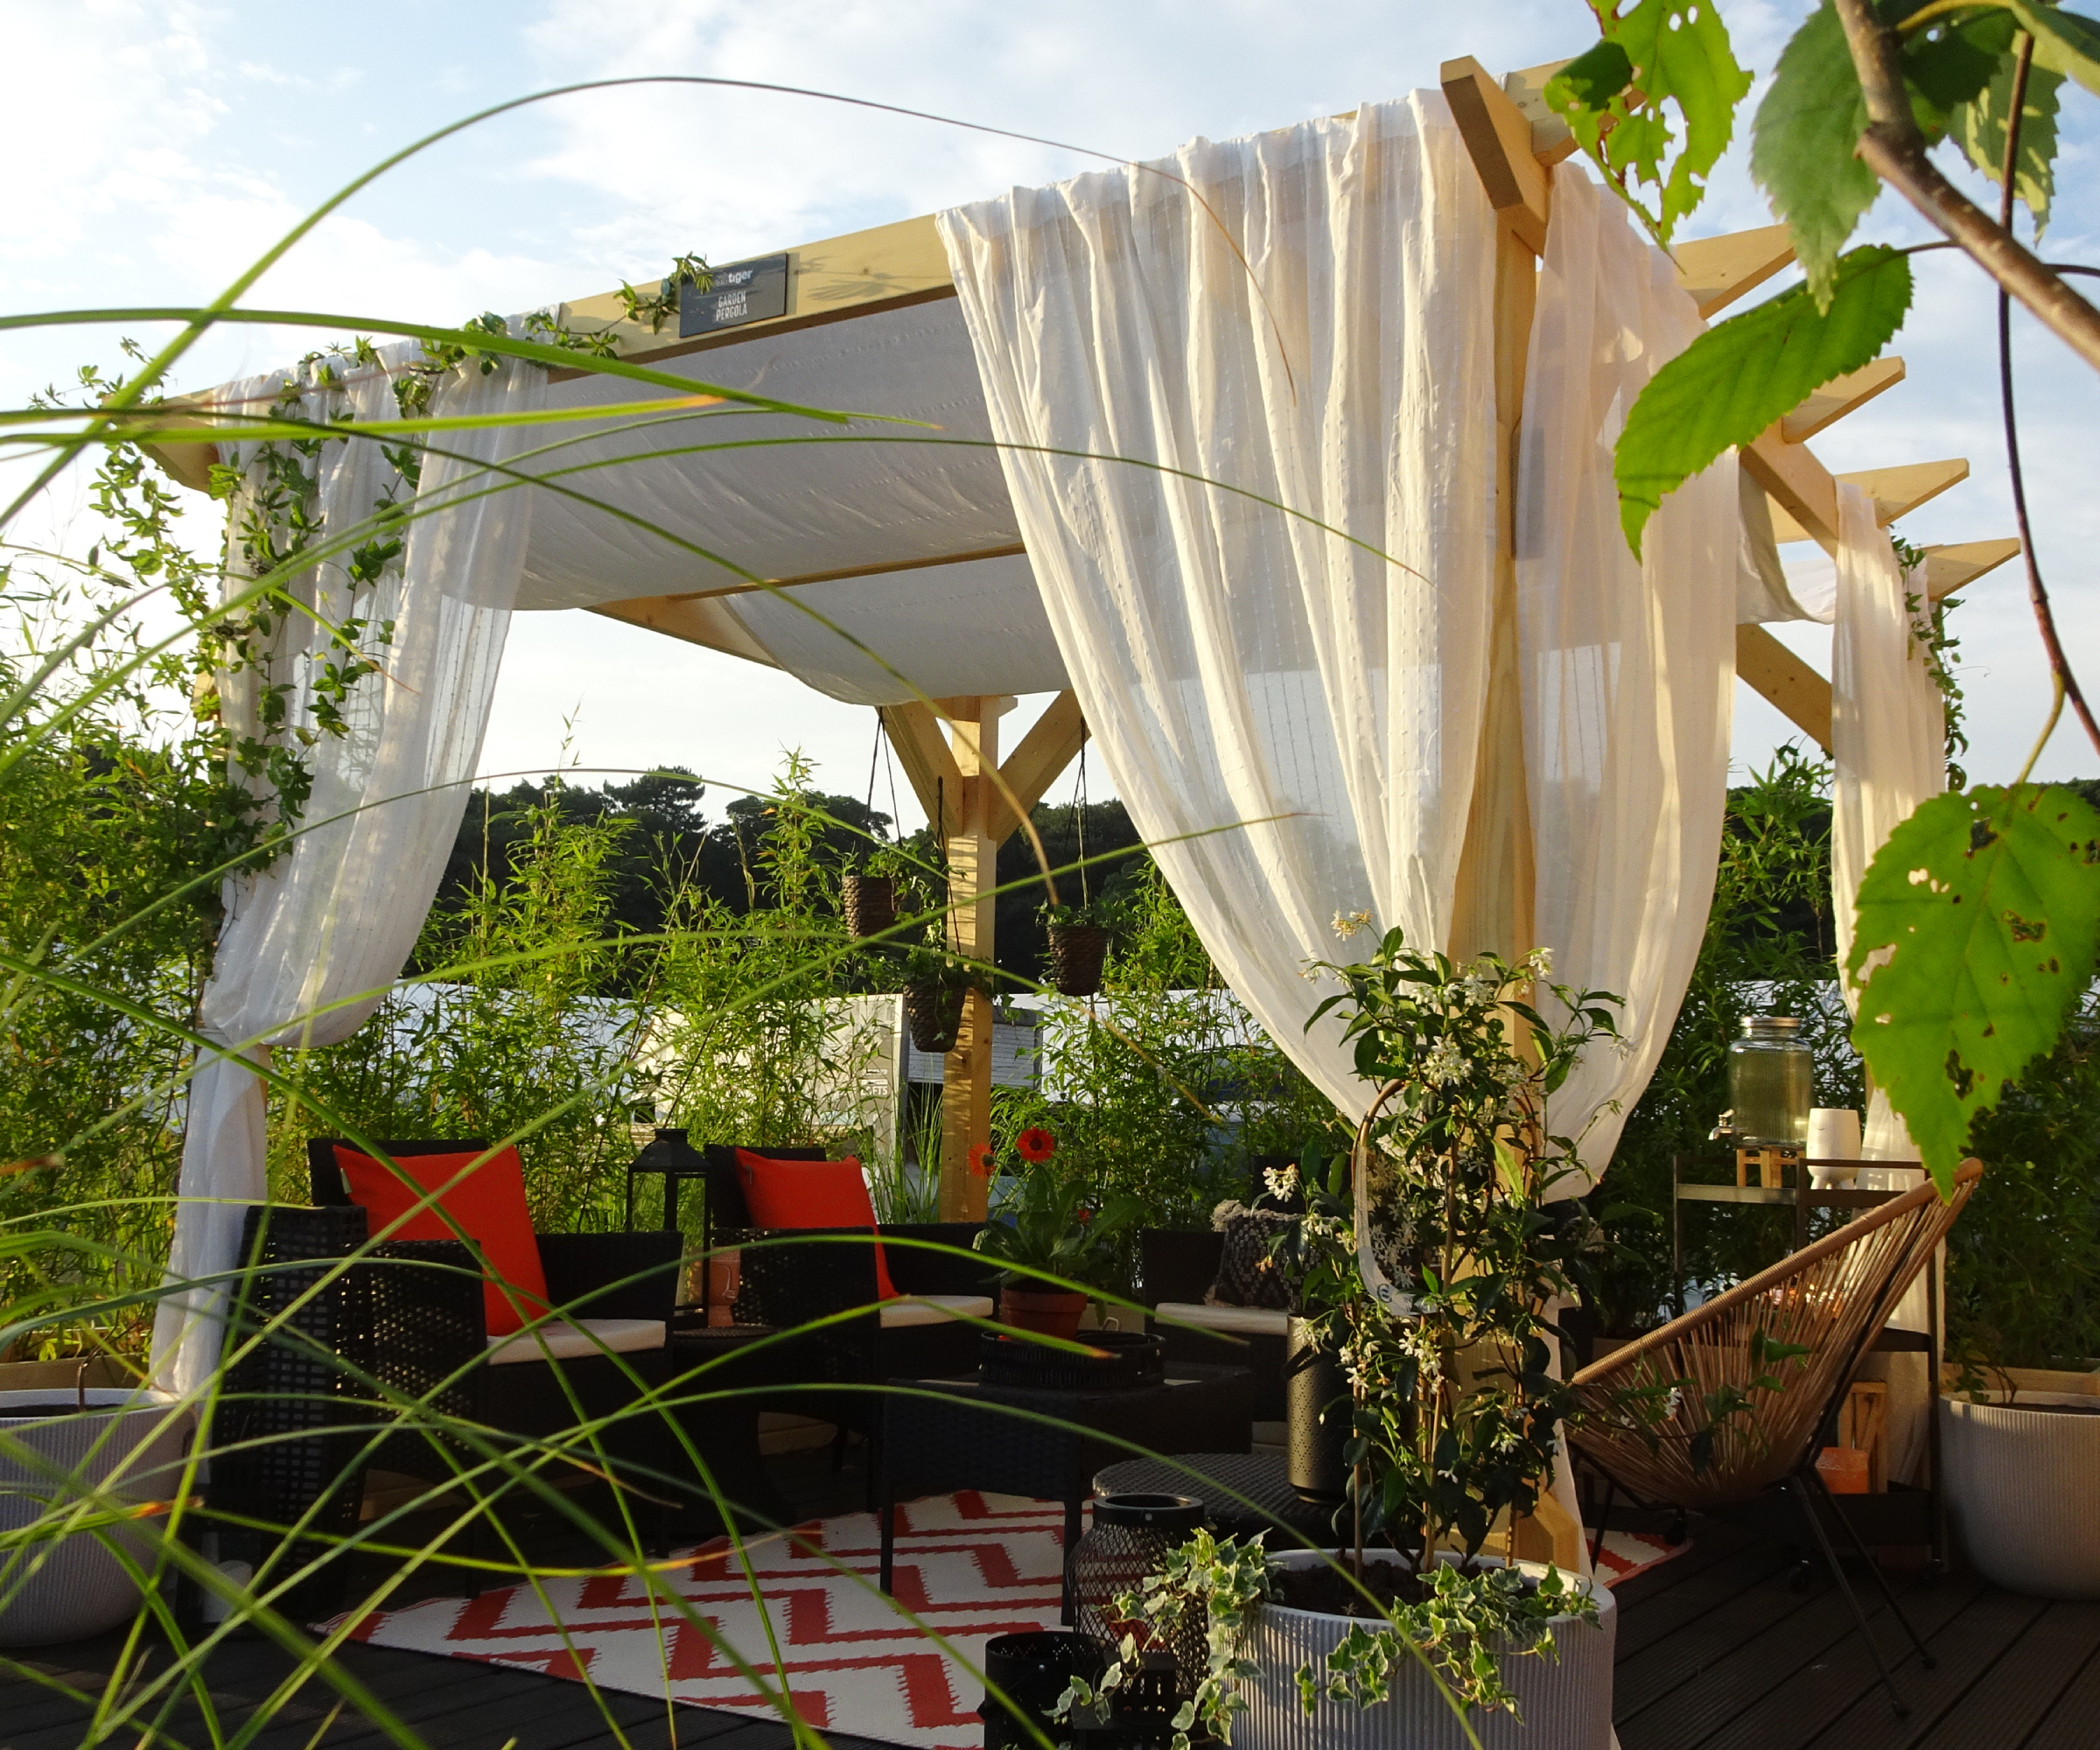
<point>1316,1395</point>
<point>1032,1670</point>
<point>932,1013</point>
<point>1076,953</point>
<point>870,902</point>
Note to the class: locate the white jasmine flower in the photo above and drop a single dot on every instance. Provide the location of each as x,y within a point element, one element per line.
<point>1443,1065</point>
<point>1347,923</point>
<point>1539,962</point>
<point>1281,1181</point>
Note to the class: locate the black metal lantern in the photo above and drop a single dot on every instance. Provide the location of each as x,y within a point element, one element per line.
<point>1128,1542</point>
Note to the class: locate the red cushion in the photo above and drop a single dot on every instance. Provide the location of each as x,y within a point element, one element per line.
<point>811,1193</point>
<point>489,1205</point>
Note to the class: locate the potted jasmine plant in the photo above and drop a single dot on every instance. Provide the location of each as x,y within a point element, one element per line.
<point>935,985</point>
<point>1432,1283</point>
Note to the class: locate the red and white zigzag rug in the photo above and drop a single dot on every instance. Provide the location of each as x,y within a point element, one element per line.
<point>968,1566</point>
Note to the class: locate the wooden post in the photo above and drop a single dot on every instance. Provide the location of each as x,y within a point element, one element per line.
<point>977,803</point>
<point>973,855</point>
<point>1493,907</point>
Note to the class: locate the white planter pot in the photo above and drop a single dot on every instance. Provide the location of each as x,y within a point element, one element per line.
<point>2021,1492</point>
<point>1566,1701</point>
<point>129,1444</point>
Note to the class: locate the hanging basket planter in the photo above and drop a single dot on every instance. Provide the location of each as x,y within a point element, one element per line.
<point>933,1014</point>
<point>1076,953</point>
<point>870,904</point>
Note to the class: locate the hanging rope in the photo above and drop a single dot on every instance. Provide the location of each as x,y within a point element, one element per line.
<point>1079,804</point>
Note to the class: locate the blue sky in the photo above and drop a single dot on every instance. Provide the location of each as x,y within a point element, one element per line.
<point>183,137</point>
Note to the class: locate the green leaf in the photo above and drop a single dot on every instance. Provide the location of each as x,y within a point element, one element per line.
<point>1657,53</point>
<point>1986,906</point>
<point>1732,383</point>
<point>1948,63</point>
<point>1980,127</point>
<point>2064,42</point>
<point>1802,147</point>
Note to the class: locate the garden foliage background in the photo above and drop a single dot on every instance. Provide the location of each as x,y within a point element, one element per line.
<point>601,959</point>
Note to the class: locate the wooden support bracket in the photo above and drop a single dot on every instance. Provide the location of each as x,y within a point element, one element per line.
<point>1034,766</point>
<point>923,751</point>
<point>1718,270</point>
<point>1772,671</point>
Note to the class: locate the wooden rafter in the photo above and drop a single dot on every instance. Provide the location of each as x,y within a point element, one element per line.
<point>1718,270</point>
<point>1030,770</point>
<point>1840,396</point>
<point>1770,669</point>
<point>1896,492</point>
<point>1947,568</point>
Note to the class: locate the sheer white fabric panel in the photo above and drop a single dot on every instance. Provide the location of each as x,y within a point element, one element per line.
<point>310,946</point>
<point>1888,730</point>
<point>1628,665</point>
<point>1310,704</point>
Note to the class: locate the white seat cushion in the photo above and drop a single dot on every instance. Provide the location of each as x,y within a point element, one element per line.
<point>933,1309</point>
<point>557,1341</point>
<point>1239,1321</point>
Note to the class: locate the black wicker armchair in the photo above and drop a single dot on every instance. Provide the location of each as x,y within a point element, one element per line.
<point>605,1349</point>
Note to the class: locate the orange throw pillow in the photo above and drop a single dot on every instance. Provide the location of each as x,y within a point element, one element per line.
<point>489,1205</point>
<point>811,1193</point>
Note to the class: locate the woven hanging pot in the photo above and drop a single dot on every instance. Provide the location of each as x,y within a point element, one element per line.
<point>871,903</point>
<point>932,1013</point>
<point>1076,952</point>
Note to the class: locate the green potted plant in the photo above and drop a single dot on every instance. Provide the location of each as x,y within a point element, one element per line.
<point>1049,1226</point>
<point>1431,1283</point>
<point>1079,943</point>
<point>1434,1293</point>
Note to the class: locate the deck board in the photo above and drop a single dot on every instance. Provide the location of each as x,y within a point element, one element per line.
<point>1966,1648</point>
<point>2007,1703</point>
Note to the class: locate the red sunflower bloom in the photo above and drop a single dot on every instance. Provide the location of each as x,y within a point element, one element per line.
<point>1035,1145</point>
<point>980,1161</point>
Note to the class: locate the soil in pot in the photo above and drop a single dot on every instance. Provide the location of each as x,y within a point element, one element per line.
<point>1331,1592</point>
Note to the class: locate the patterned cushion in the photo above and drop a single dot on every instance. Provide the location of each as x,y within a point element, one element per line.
<point>1247,1275</point>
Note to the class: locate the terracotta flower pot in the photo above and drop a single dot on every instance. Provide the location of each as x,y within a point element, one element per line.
<point>1050,1311</point>
<point>870,902</point>
<point>1076,953</point>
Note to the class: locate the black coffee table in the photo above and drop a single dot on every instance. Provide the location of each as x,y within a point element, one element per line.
<point>1243,1494</point>
<point>940,1435</point>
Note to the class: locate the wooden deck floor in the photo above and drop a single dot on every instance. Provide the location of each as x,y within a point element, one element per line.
<point>1716,1652</point>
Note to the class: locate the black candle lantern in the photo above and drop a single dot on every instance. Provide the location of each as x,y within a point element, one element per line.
<point>1128,1542</point>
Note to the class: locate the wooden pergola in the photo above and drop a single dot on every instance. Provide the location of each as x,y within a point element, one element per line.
<point>950,747</point>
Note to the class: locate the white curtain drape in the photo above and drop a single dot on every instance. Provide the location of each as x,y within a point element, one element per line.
<point>310,944</point>
<point>1888,743</point>
<point>1888,729</point>
<point>1628,665</point>
<point>1304,691</point>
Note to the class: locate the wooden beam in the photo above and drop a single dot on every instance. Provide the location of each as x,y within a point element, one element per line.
<point>1947,568</point>
<point>1718,270</point>
<point>1804,497</point>
<point>1840,396</point>
<point>1551,138</point>
<point>1009,550</point>
<point>891,266</point>
<point>1896,492</point>
<point>1498,136</point>
<point>1801,696</point>
<point>1034,766</point>
<point>695,622</point>
<point>973,857</point>
<point>923,751</point>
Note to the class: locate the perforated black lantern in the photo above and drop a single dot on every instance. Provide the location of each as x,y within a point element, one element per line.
<point>1128,1542</point>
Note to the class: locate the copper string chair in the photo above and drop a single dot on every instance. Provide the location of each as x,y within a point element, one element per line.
<point>1709,1411</point>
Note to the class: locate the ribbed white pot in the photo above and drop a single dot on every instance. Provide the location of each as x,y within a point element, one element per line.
<point>127,1443</point>
<point>2023,1493</point>
<point>1566,1701</point>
